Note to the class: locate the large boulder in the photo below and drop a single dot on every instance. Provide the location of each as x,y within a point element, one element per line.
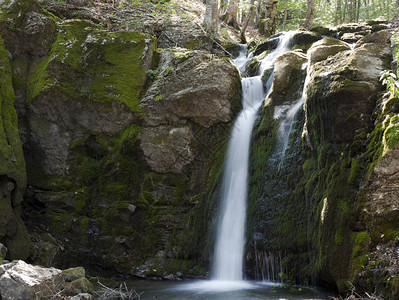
<point>305,38</point>
<point>325,48</point>
<point>189,87</point>
<point>346,83</point>
<point>268,45</point>
<point>19,280</point>
<point>288,78</point>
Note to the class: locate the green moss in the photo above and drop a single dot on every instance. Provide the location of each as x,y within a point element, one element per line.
<point>179,55</point>
<point>354,173</point>
<point>89,64</point>
<point>84,225</point>
<point>391,134</point>
<point>348,85</point>
<point>362,241</point>
<point>61,221</point>
<point>80,201</point>
<point>12,161</point>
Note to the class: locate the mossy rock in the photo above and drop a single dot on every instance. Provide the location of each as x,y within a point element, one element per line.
<point>73,273</point>
<point>325,48</point>
<point>269,45</point>
<point>305,38</point>
<point>114,65</point>
<point>81,285</point>
<point>325,30</point>
<point>27,29</point>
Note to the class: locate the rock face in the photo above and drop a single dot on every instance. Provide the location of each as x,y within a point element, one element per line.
<point>18,280</point>
<point>121,143</point>
<point>26,28</point>
<point>347,84</point>
<point>329,226</point>
<point>12,164</point>
<point>65,100</point>
<point>190,87</point>
<point>379,202</point>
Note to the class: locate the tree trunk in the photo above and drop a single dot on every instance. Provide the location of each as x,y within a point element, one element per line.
<point>211,19</point>
<point>285,14</point>
<point>231,15</point>
<point>222,7</point>
<point>366,9</point>
<point>309,15</point>
<point>338,13</point>
<point>359,4</point>
<point>244,27</point>
<point>270,19</point>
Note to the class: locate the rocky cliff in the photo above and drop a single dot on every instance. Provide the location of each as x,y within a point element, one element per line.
<point>121,141</point>
<point>325,211</point>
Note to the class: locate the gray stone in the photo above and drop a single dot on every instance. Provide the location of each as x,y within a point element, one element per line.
<point>82,296</point>
<point>166,148</point>
<point>348,82</point>
<point>22,281</point>
<point>302,37</point>
<point>191,85</point>
<point>26,31</point>
<point>325,48</point>
<point>352,37</point>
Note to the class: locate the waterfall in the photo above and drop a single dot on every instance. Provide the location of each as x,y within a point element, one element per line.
<point>287,114</point>
<point>230,239</point>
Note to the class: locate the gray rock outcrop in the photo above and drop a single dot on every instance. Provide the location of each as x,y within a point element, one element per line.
<point>19,280</point>
<point>190,87</point>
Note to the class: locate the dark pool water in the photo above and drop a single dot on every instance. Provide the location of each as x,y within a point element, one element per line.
<point>217,290</point>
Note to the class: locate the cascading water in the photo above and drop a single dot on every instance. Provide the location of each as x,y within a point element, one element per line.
<point>287,114</point>
<point>230,239</point>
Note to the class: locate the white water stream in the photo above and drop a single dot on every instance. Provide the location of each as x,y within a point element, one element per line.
<point>288,121</point>
<point>230,239</point>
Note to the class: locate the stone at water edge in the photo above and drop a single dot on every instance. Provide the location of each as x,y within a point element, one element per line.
<point>82,296</point>
<point>73,273</point>
<point>22,281</point>
<point>81,285</point>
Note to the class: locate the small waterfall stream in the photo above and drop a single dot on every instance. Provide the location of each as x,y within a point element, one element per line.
<point>230,239</point>
<point>287,114</point>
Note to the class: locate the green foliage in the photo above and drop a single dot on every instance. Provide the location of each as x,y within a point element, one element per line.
<point>152,74</point>
<point>329,12</point>
<point>389,79</point>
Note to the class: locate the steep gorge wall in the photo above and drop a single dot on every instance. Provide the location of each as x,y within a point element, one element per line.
<point>123,143</point>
